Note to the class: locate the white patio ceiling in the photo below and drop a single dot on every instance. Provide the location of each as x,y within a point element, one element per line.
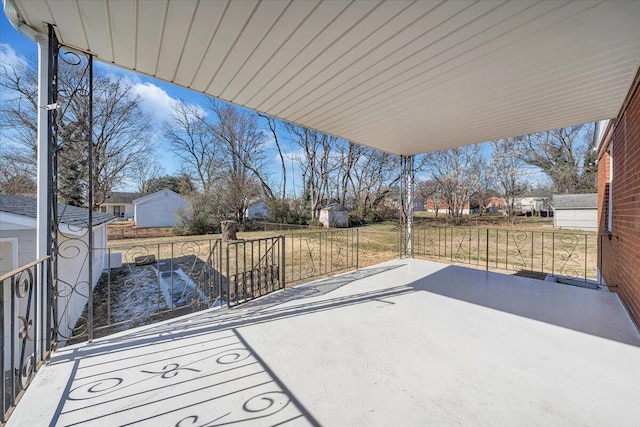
<point>405,77</point>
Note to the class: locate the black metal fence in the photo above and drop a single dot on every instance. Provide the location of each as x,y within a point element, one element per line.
<point>141,284</point>
<point>315,254</point>
<point>534,253</point>
<point>25,319</point>
<point>254,268</point>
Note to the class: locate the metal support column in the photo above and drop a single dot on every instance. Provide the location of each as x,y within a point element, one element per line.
<point>406,233</point>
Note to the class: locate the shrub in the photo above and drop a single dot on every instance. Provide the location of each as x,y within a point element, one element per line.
<point>203,216</point>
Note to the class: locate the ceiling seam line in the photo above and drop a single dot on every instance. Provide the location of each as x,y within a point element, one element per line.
<point>336,40</point>
<point>184,43</point>
<point>322,30</point>
<point>286,40</point>
<point>392,53</point>
<point>206,50</point>
<point>233,45</point>
<point>290,2</point>
<point>451,59</point>
<point>84,30</point>
<point>108,16</point>
<point>412,88</point>
<point>347,52</point>
<point>395,65</point>
<point>162,32</point>
<point>136,17</point>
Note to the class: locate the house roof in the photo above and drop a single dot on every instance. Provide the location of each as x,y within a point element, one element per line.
<point>69,215</point>
<point>334,207</point>
<point>151,195</point>
<point>575,201</point>
<point>123,197</point>
<point>400,76</point>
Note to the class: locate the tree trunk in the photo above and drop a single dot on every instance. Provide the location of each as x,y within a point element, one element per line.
<point>229,230</point>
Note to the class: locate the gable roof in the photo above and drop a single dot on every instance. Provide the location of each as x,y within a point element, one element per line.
<point>145,196</point>
<point>69,215</point>
<point>575,201</point>
<point>334,207</point>
<point>123,197</point>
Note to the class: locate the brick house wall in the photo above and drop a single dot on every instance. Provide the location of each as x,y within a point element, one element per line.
<point>619,241</point>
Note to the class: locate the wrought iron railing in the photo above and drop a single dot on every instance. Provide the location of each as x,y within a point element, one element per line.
<point>254,268</point>
<point>316,254</point>
<point>144,283</point>
<point>26,320</point>
<point>532,253</point>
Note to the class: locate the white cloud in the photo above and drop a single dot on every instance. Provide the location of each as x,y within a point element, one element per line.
<point>154,100</point>
<point>9,58</point>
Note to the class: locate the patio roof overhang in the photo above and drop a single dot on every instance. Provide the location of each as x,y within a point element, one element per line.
<point>401,76</point>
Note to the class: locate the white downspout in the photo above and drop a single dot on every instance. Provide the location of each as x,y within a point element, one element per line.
<point>11,12</point>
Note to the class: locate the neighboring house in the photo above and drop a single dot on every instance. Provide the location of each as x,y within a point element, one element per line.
<point>18,248</point>
<point>120,204</point>
<point>158,209</point>
<point>419,205</point>
<point>530,204</point>
<point>618,203</point>
<point>146,209</point>
<point>257,209</point>
<point>442,206</point>
<point>496,204</point>
<point>575,211</point>
<point>334,215</point>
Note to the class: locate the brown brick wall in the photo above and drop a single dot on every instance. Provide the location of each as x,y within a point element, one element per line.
<point>620,250</point>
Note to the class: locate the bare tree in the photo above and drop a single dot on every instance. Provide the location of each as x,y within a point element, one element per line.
<point>237,130</point>
<point>192,141</point>
<point>457,175</point>
<point>567,155</point>
<point>315,164</point>
<point>120,132</point>
<point>272,123</point>
<point>144,172</point>
<point>375,177</point>
<point>511,175</point>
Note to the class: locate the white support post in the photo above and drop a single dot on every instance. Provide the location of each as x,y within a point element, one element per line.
<point>42,229</point>
<point>409,172</point>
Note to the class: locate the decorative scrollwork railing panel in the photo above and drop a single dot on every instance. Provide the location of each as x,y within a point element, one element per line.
<point>532,253</point>
<point>26,321</point>
<point>141,284</point>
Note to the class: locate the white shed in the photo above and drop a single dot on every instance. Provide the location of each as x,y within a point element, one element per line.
<point>334,215</point>
<point>575,211</point>
<point>158,209</point>
<point>257,209</point>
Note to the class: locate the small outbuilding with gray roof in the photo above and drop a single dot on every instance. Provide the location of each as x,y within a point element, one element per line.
<point>575,211</point>
<point>18,248</point>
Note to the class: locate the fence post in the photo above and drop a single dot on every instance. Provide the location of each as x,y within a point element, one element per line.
<point>486,266</point>
<point>228,280</point>
<point>282,261</point>
<point>357,249</point>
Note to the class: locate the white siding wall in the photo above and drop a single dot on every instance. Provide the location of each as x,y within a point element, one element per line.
<point>26,244</point>
<point>159,209</point>
<point>258,210</point>
<point>331,218</point>
<point>576,219</point>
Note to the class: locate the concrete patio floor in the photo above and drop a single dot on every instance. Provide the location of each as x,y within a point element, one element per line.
<point>407,342</point>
